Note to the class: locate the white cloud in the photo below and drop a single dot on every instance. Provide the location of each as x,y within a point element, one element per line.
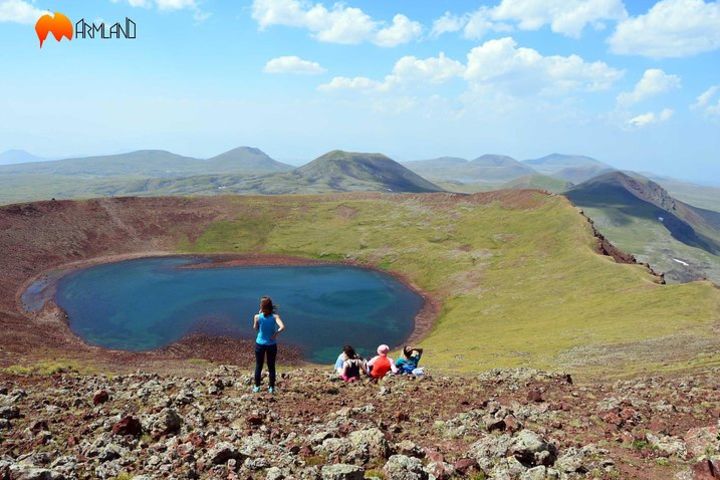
<point>653,82</point>
<point>434,69</point>
<point>340,24</point>
<point>448,23</point>
<point>671,28</point>
<point>650,118</point>
<point>497,64</point>
<point>503,63</point>
<point>474,25</point>
<point>18,11</point>
<point>346,83</point>
<point>408,70</point>
<point>293,64</point>
<point>567,17</point>
<point>705,101</point>
<point>402,30</point>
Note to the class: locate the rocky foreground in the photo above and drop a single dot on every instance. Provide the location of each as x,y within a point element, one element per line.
<point>518,424</point>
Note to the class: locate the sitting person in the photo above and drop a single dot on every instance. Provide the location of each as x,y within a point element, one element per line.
<point>381,364</point>
<point>340,362</point>
<point>352,366</point>
<point>408,363</point>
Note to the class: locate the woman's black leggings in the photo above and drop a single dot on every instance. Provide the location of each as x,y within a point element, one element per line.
<point>260,352</point>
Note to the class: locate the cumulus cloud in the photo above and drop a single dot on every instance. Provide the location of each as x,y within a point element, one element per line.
<point>567,17</point>
<point>650,118</point>
<point>499,64</point>
<point>293,64</point>
<point>709,101</point>
<point>407,70</point>
<point>653,82</point>
<point>18,11</point>
<point>503,63</point>
<point>671,28</point>
<point>339,24</point>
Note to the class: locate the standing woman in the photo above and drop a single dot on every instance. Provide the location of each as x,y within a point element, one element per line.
<point>268,325</point>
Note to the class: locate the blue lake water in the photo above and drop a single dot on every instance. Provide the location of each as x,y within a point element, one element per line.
<point>148,303</point>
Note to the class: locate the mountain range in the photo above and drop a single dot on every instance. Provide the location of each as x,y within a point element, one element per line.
<point>671,224</point>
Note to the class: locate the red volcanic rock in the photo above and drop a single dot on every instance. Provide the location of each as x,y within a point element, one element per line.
<point>401,417</point>
<point>196,439</point>
<point>101,396</point>
<point>535,396</point>
<point>612,418</point>
<point>254,420</point>
<point>127,426</point>
<point>706,470</point>
<point>464,465</point>
<point>512,424</point>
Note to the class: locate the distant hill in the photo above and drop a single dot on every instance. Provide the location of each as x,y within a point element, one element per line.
<point>336,171</point>
<point>572,168</point>
<point>154,164</point>
<point>245,160</point>
<point>538,181</point>
<point>348,171</point>
<point>703,196</point>
<point>494,169</point>
<point>12,157</point>
<point>643,218</point>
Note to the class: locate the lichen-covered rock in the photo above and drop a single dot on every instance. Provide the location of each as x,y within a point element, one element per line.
<point>372,439</point>
<point>402,467</point>
<point>342,471</point>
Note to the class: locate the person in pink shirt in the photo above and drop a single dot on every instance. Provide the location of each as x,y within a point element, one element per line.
<point>381,364</point>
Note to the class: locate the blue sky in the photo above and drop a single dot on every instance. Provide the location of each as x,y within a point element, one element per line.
<point>606,78</point>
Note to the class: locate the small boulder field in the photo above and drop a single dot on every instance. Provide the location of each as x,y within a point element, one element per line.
<point>501,424</point>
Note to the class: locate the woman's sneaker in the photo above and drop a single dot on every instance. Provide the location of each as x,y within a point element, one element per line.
<point>256,389</point>
<point>271,389</point>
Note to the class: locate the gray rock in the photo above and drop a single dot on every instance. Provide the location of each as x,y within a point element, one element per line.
<point>274,473</point>
<point>342,471</point>
<point>9,412</point>
<point>409,448</point>
<point>21,471</point>
<point>668,446</point>
<point>402,467</point>
<point>540,473</point>
<point>222,452</point>
<point>372,439</point>
<point>531,450</point>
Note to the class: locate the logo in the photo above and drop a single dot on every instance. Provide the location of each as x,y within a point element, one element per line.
<point>61,26</point>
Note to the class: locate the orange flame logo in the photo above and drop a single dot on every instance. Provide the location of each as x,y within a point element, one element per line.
<point>59,25</point>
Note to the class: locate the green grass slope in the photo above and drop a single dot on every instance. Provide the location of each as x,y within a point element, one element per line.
<point>515,271</point>
<point>539,182</point>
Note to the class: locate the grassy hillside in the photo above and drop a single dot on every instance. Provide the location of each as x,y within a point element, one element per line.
<point>644,219</point>
<point>539,182</point>
<point>487,169</point>
<point>516,272</point>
